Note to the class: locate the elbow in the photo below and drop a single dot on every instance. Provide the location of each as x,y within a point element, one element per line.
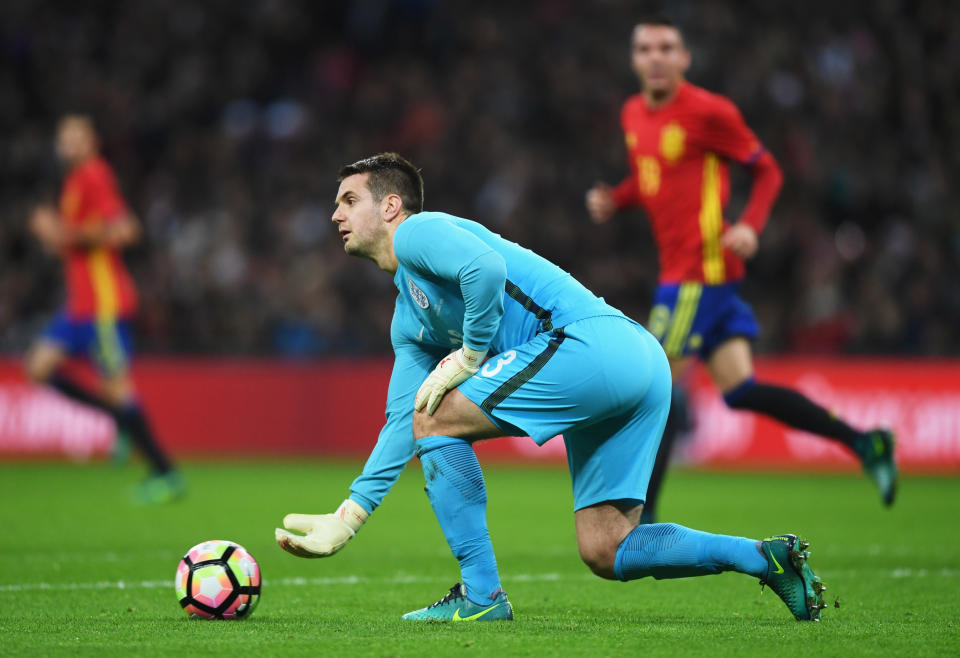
<point>134,231</point>
<point>768,167</point>
<point>499,269</point>
<point>776,176</point>
<point>125,233</point>
<point>491,270</point>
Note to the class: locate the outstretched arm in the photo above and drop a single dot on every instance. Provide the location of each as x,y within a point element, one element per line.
<point>325,534</point>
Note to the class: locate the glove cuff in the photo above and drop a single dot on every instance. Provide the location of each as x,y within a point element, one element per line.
<point>352,514</point>
<point>471,358</point>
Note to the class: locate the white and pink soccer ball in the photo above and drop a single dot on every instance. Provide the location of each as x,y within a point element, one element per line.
<point>218,580</point>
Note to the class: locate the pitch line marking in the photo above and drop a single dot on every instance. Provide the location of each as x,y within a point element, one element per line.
<point>399,579</point>
<point>402,579</point>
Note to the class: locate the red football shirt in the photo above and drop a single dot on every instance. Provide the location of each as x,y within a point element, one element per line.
<point>679,161</point>
<point>98,284</point>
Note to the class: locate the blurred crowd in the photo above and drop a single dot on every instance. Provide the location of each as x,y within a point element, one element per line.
<point>228,120</point>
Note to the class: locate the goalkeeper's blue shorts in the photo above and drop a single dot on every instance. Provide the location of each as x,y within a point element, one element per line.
<point>603,383</point>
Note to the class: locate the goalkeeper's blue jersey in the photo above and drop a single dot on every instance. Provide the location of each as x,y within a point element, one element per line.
<point>460,284</point>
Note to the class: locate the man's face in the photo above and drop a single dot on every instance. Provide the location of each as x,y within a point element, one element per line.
<point>75,140</point>
<point>358,217</point>
<point>659,58</point>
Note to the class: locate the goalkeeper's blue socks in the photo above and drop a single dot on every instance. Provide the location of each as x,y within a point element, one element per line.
<point>459,498</point>
<point>668,550</point>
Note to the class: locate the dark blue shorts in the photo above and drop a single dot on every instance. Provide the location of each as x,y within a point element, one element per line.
<point>692,318</point>
<point>107,343</point>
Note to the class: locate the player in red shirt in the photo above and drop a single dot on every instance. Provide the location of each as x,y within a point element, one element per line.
<point>88,231</point>
<point>681,139</point>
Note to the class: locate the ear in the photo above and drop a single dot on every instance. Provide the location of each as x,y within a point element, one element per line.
<point>391,208</point>
<point>686,60</point>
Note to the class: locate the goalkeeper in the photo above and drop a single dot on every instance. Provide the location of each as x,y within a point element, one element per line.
<point>492,340</point>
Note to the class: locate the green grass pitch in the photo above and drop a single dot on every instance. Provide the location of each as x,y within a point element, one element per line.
<point>84,573</point>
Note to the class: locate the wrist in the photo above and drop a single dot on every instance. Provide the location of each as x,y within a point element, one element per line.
<point>472,358</point>
<point>352,514</point>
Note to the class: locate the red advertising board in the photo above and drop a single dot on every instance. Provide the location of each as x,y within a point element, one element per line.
<point>236,408</point>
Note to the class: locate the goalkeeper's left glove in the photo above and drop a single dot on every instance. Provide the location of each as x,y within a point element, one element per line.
<point>452,371</point>
<point>325,533</point>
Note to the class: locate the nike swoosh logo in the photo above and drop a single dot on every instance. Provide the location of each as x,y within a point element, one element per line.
<point>779,568</point>
<point>457,617</point>
<point>420,335</point>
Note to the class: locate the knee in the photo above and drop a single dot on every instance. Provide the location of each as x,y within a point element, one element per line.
<point>118,399</point>
<point>118,392</point>
<point>31,373</point>
<point>600,557</point>
<point>423,425</point>
<point>36,370</point>
<point>736,396</point>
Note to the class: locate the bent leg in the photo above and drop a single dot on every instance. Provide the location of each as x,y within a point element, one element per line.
<point>120,394</point>
<point>668,550</point>
<point>456,416</point>
<point>601,528</point>
<point>43,359</point>
<point>42,366</point>
<point>615,547</point>
<point>456,490</point>
<point>731,368</point>
<point>677,422</point>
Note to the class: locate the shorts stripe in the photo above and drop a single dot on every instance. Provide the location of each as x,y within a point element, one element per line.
<point>507,388</point>
<point>542,314</point>
<point>109,348</point>
<point>688,298</point>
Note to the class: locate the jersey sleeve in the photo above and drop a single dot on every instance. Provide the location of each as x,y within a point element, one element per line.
<point>726,133</point>
<point>626,194</point>
<point>435,247</point>
<point>395,443</point>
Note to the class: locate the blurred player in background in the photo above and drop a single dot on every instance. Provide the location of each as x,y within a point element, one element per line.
<point>88,231</point>
<point>680,139</point>
<point>563,361</point>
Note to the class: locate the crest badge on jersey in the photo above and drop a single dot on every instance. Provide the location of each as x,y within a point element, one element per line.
<point>418,295</point>
<point>672,141</point>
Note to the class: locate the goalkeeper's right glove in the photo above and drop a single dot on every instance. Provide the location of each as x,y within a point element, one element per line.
<point>325,534</point>
<point>456,368</point>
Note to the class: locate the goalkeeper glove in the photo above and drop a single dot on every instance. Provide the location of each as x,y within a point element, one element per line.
<point>325,534</point>
<point>453,370</point>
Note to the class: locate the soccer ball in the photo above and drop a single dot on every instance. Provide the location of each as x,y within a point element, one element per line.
<point>218,580</point>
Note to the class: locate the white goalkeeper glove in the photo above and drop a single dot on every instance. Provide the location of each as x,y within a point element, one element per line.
<point>454,369</point>
<point>325,534</point>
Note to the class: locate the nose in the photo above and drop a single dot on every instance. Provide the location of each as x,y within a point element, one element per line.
<point>337,217</point>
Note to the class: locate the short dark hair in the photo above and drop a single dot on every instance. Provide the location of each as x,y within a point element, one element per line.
<point>390,173</point>
<point>660,20</point>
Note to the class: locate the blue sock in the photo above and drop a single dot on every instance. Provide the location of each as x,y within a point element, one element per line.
<point>668,550</point>
<point>459,498</point>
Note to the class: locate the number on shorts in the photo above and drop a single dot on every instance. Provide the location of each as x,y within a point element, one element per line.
<point>489,370</point>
